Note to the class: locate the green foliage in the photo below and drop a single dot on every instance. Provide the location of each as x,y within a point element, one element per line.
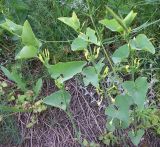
<point>89,144</point>
<point>83,40</point>
<point>137,90</point>
<point>129,18</point>
<point>31,43</point>
<point>79,44</point>
<point>112,24</point>
<point>65,71</point>
<point>48,28</point>
<point>136,137</point>
<point>141,42</point>
<point>10,133</point>
<point>126,106</point>
<point>38,87</point>
<point>59,99</point>
<point>71,21</point>
<point>90,76</point>
<point>122,111</point>
<point>149,118</point>
<point>16,10</point>
<point>27,52</point>
<point>108,139</point>
<point>28,37</point>
<point>117,24</point>
<point>11,27</point>
<point>90,36</point>
<point>16,77</point>
<point>121,53</point>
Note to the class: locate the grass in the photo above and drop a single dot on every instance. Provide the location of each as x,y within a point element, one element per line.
<point>9,131</point>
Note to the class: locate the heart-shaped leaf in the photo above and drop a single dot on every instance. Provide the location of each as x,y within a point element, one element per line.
<point>59,99</point>
<point>119,110</point>
<point>137,90</point>
<point>111,24</point>
<point>27,52</point>
<point>66,70</point>
<point>90,76</point>
<point>28,37</point>
<point>73,21</point>
<point>117,113</point>
<point>90,33</point>
<point>79,44</point>
<point>11,27</point>
<point>121,53</point>
<point>136,138</point>
<point>82,41</point>
<point>141,42</point>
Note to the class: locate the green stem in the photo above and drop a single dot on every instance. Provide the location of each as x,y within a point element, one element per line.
<point>132,59</point>
<point>52,41</point>
<point>133,73</point>
<point>104,50</point>
<point>118,19</point>
<point>77,133</point>
<point>69,114</point>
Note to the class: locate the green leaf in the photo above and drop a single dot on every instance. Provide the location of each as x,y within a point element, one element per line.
<point>129,18</point>
<point>121,53</point>
<point>82,41</point>
<point>17,78</point>
<point>59,99</point>
<point>73,21</point>
<point>28,37</point>
<point>79,44</point>
<point>117,113</point>
<point>110,126</point>
<point>90,33</point>
<point>121,111</point>
<point>66,70</point>
<point>136,138</point>
<point>90,76</point>
<point>117,24</point>
<point>14,76</point>
<point>7,73</point>
<point>11,27</point>
<point>112,24</point>
<point>120,99</point>
<point>118,19</point>
<point>27,52</point>
<point>137,90</point>
<point>141,42</point>
<point>38,87</point>
<point>111,111</point>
